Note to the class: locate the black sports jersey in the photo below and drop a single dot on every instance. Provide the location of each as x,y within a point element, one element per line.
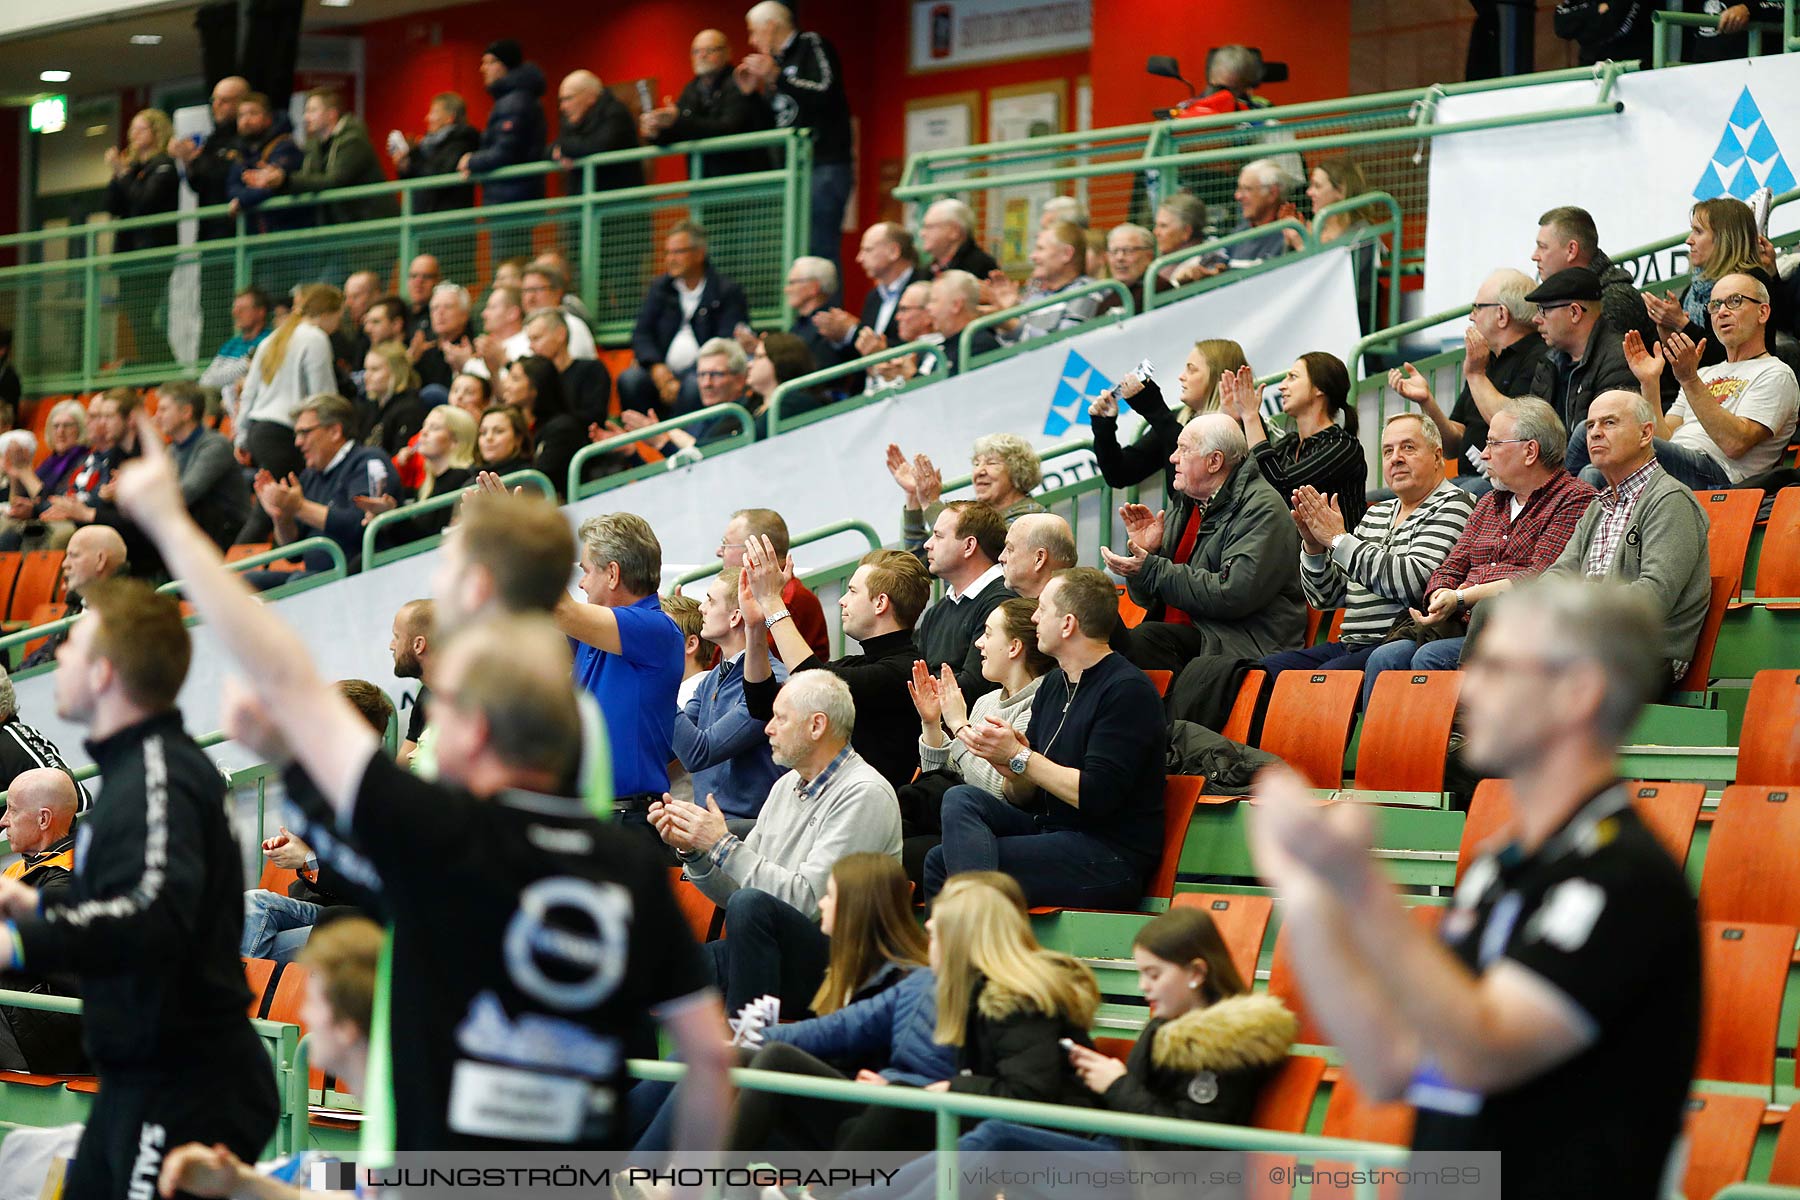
<point>1602,914</point>
<point>531,944</point>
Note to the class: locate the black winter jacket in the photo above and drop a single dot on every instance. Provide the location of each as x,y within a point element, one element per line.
<point>1013,1051</point>
<point>711,106</point>
<point>606,126</point>
<point>1125,466</point>
<point>209,175</point>
<point>1205,1065</point>
<point>514,134</point>
<point>146,188</point>
<point>153,922</point>
<point>438,153</point>
<point>809,94</point>
<point>1602,368</point>
<point>722,309</point>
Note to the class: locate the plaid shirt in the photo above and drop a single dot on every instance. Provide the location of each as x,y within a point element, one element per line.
<point>1615,514</point>
<point>1496,545</point>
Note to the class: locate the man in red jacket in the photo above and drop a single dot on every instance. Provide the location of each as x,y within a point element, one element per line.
<point>802,605</point>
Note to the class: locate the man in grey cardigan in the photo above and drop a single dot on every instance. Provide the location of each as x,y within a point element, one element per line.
<point>772,882</point>
<point>1218,572</point>
<point>1646,529</point>
<point>212,483</point>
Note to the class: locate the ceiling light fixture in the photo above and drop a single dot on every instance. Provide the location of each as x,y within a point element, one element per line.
<point>335,3</point>
<point>54,76</point>
<point>146,39</point>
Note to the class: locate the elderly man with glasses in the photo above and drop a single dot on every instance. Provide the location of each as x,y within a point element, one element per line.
<point>1735,418</point>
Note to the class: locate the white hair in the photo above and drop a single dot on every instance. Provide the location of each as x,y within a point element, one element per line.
<point>820,691</point>
<point>770,12</point>
<point>1269,173</point>
<point>455,291</point>
<point>1216,431</point>
<point>960,283</point>
<point>725,348</point>
<point>1065,208</point>
<point>1510,289</point>
<point>821,271</point>
<point>956,210</point>
<point>1137,233</point>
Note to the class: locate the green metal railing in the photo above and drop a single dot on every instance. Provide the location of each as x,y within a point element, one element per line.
<point>1121,173</point>
<point>744,433</point>
<point>1667,26</point>
<point>336,571</point>
<point>965,347</point>
<point>382,522</point>
<point>780,401</point>
<point>806,539</point>
<point>83,317</point>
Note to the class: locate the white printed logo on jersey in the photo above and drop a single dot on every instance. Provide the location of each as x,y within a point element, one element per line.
<point>1568,915</point>
<point>567,941</point>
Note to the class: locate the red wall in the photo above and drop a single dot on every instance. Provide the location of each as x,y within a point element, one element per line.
<point>411,58</point>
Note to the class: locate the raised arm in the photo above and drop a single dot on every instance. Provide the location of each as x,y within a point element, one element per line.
<point>330,740</point>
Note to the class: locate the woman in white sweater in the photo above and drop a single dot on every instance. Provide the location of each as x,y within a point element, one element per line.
<point>1009,657</point>
<point>291,364</point>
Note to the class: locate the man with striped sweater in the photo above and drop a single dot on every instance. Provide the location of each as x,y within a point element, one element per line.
<point>1378,571</point>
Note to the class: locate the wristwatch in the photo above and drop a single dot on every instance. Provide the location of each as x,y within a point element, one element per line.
<point>780,614</point>
<point>1018,762</point>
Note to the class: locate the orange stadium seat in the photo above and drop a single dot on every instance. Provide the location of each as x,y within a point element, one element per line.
<point>257,973</point>
<point>1308,722</point>
<point>1778,570</point>
<point>1732,516</point>
<point>1286,1100</point>
<point>1721,1132</point>
<point>1351,1114</point>
<point>1243,709</point>
<point>1769,743</point>
<point>43,614</point>
<point>703,917</point>
<point>1161,680</point>
<point>285,1005</point>
<point>1406,732</point>
<point>1744,968</point>
<point>1784,1168</point>
<point>1243,922</point>
<point>1743,880</point>
<point>1699,672</point>
<point>40,574</point>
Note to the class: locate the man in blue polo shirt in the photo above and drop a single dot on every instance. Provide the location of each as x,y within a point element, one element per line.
<point>628,655</point>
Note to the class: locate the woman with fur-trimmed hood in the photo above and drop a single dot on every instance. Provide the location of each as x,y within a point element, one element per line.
<point>1208,1049</point>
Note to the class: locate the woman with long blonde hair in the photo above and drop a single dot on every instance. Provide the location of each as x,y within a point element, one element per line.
<point>1722,240</point>
<point>293,363</point>
<point>447,448</point>
<point>1209,361</point>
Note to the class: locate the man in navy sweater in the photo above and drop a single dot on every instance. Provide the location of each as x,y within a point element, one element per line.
<point>1080,823</point>
<point>321,500</point>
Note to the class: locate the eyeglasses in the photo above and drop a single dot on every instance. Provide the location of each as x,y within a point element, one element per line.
<point>1494,441</point>
<point>1485,304</point>
<point>1729,302</point>
<point>306,431</point>
<point>1552,307</point>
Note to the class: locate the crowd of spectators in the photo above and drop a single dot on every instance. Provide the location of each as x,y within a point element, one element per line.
<point>999,746</point>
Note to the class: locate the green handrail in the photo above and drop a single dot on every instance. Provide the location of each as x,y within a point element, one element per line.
<point>968,360</point>
<point>805,539</point>
<point>1372,137</point>
<point>1199,249</point>
<point>1394,225</point>
<point>1666,27</point>
<point>739,141</point>
<point>746,433</point>
<point>371,557</point>
<point>856,366</point>
<point>1032,1112</point>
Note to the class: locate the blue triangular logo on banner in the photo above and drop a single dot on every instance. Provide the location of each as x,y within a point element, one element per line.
<point>1747,157</point>
<point>1076,388</point>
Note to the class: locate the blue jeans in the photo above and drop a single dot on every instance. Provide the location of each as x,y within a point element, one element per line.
<point>1692,468</point>
<point>831,184</point>
<point>917,1180</point>
<point>276,926</point>
<point>1445,655</point>
<point>982,832</point>
<point>1331,656</point>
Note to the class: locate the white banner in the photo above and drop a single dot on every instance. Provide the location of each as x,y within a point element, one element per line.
<point>960,33</point>
<point>833,469</point>
<point>1686,134</point>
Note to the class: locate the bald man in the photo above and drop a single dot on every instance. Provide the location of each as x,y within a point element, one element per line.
<point>1038,545</point>
<point>593,122</point>
<point>711,106</point>
<point>95,552</point>
<point>207,165</point>
<point>39,823</point>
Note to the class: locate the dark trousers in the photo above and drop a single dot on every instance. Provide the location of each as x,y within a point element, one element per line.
<point>272,449</point>
<point>1331,656</point>
<point>770,948</point>
<point>831,184</point>
<point>637,390</point>
<point>1166,646</point>
<point>1063,867</point>
<point>229,1096</point>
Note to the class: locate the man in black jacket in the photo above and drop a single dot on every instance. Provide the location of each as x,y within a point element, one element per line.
<point>448,137</point>
<point>39,823</point>
<point>711,106</point>
<point>207,165</point>
<point>964,551</point>
<point>947,236</point>
<point>797,76</point>
<point>152,921</point>
<point>689,305</point>
<point>514,135</point>
<point>1587,354</point>
<point>593,122</point>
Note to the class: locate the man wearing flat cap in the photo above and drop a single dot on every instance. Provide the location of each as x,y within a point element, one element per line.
<point>1587,354</point>
<point>514,134</point>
